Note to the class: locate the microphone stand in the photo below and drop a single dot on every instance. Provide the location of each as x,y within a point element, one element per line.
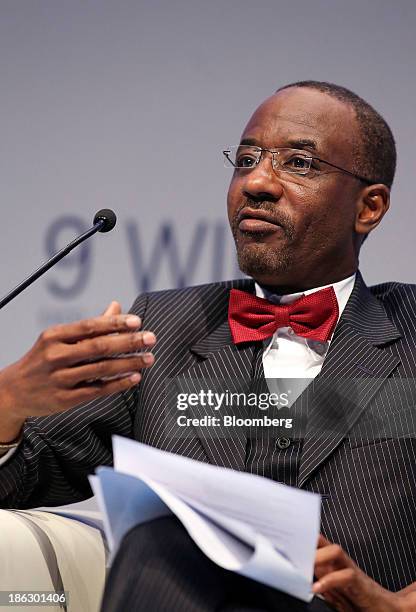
<point>51,262</point>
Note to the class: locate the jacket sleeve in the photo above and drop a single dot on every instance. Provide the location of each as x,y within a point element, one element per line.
<point>58,452</point>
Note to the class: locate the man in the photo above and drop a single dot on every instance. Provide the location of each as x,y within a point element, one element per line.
<point>312,179</point>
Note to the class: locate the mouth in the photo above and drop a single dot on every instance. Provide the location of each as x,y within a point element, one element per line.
<point>252,221</point>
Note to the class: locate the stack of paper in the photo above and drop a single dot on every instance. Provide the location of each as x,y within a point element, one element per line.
<point>244,523</point>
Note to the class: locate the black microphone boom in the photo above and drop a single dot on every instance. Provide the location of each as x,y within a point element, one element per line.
<point>104,221</point>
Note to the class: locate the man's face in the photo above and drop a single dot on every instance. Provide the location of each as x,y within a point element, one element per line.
<point>297,231</point>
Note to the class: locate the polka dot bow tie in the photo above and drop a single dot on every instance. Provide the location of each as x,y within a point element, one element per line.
<point>312,316</point>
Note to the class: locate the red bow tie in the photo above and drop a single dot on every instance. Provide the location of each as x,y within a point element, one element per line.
<point>312,316</point>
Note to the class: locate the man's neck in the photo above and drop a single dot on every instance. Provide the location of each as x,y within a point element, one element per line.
<point>287,289</point>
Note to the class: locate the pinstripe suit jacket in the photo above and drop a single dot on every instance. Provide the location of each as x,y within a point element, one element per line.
<point>362,460</point>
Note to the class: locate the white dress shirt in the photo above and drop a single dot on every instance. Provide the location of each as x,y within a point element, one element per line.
<point>286,355</point>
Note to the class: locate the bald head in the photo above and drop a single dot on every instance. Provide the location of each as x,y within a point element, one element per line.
<point>310,120</point>
<point>375,150</point>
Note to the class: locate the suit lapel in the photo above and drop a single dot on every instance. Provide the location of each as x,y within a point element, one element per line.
<point>225,367</point>
<point>220,366</point>
<point>355,368</point>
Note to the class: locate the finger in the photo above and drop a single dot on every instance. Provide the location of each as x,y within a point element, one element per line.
<point>104,369</point>
<point>114,308</point>
<point>98,389</point>
<point>323,541</point>
<point>90,328</point>
<point>60,355</point>
<point>108,346</point>
<point>342,580</point>
<point>334,556</point>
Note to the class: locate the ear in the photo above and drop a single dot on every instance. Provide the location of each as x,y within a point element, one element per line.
<point>373,204</point>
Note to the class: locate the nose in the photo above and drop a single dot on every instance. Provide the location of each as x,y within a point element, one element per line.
<point>262,182</point>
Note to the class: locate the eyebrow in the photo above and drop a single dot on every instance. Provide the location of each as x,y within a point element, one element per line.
<point>297,143</point>
<point>303,143</point>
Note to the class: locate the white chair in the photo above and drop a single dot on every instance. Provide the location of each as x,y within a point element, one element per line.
<point>44,550</point>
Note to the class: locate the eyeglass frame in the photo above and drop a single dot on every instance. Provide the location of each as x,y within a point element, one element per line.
<point>311,157</point>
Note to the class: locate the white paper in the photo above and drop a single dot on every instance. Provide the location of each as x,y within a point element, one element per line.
<point>242,522</point>
<point>125,502</point>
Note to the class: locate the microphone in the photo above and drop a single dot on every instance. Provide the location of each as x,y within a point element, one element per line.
<point>107,218</point>
<point>104,221</point>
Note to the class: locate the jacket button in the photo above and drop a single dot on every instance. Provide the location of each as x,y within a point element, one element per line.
<point>283,443</point>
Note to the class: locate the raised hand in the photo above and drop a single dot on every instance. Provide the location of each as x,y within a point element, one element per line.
<point>71,364</point>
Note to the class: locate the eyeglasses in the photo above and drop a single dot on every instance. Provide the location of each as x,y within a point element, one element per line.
<point>293,161</point>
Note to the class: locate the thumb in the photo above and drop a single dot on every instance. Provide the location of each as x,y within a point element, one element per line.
<point>114,308</point>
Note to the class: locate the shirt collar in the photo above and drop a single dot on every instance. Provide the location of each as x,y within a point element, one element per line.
<point>342,288</point>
